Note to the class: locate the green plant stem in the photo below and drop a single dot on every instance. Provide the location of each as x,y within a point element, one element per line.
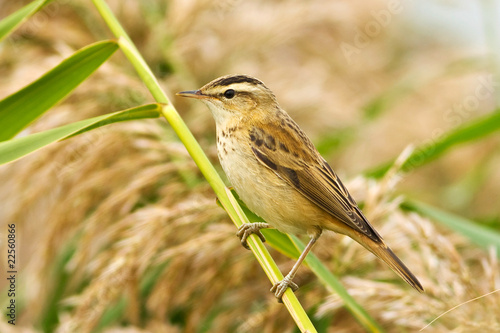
<point>334,285</point>
<point>468,132</point>
<point>476,233</point>
<point>225,196</point>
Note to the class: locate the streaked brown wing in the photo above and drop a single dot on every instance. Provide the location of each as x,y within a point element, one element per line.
<point>309,174</point>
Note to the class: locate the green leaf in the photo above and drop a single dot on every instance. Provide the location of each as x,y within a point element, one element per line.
<point>469,132</point>
<point>335,141</point>
<point>281,242</point>
<point>292,247</point>
<point>478,234</point>
<point>16,148</point>
<point>24,106</point>
<point>278,240</point>
<point>382,103</point>
<point>225,197</point>
<point>11,22</point>
<point>334,285</point>
<point>61,277</point>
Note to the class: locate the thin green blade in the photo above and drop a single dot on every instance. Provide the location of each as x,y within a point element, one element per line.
<point>334,285</point>
<point>469,132</point>
<point>292,247</point>
<point>478,234</point>
<point>24,106</point>
<point>14,149</point>
<point>11,22</point>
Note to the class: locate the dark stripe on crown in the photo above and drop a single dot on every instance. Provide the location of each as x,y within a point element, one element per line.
<point>228,80</point>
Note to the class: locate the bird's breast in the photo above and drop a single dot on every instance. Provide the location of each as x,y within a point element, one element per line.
<point>263,192</point>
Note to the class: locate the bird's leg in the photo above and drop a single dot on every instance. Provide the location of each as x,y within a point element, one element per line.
<point>251,228</point>
<point>280,287</point>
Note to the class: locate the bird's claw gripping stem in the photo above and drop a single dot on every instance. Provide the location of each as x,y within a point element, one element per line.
<point>251,228</point>
<point>280,287</point>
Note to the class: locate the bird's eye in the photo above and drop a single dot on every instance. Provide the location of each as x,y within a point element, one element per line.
<point>229,93</point>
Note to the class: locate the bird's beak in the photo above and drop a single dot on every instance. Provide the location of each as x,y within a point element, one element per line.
<point>193,94</point>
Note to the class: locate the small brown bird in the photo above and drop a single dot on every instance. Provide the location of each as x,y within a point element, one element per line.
<point>279,174</point>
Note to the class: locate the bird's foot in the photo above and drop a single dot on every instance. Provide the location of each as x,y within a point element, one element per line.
<point>251,228</point>
<point>280,287</point>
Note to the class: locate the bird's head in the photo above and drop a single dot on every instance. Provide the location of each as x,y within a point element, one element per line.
<point>235,96</point>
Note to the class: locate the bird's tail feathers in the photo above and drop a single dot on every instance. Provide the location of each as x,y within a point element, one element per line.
<point>382,251</point>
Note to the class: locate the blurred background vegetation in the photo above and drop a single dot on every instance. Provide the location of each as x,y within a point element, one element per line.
<point>119,232</point>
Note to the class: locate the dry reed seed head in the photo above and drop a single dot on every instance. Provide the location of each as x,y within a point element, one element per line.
<point>444,283</point>
<point>203,257</point>
<point>162,178</point>
<point>5,327</point>
<point>137,243</point>
<point>446,275</point>
<point>202,42</point>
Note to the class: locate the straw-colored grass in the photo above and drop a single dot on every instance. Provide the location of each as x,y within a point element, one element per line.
<point>118,228</point>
